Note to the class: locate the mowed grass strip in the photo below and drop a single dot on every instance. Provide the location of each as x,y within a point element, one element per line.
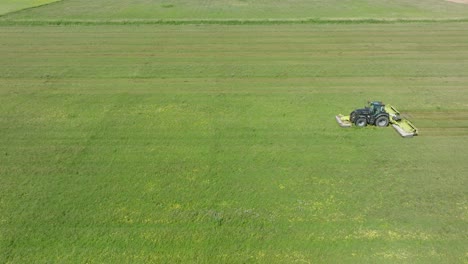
<point>315,51</point>
<point>226,22</point>
<point>109,10</point>
<point>219,144</point>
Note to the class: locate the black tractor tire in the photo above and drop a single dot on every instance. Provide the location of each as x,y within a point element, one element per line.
<point>352,116</point>
<point>382,121</point>
<point>361,121</point>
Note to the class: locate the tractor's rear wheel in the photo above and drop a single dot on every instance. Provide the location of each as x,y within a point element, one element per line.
<point>382,121</point>
<point>361,122</point>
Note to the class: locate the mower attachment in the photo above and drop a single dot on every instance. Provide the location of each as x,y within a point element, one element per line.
<point>402,125</point>
<point>343,121</point>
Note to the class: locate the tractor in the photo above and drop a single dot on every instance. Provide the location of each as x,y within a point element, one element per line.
<point>380,115</point>
<point>374,114</point>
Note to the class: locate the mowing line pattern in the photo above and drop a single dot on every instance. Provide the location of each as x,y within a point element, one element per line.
<point>217,143</point>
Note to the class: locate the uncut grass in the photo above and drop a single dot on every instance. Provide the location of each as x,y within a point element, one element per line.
<point>108,10</point>
<point>183,161</point>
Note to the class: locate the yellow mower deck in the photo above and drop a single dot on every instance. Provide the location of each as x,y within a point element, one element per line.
<point>343,121</point>
<point>402,125</point>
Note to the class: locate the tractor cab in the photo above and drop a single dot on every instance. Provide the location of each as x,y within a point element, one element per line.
<point>376,108</point>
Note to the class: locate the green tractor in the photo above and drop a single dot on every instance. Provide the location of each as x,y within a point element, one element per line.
<point>380,115</point>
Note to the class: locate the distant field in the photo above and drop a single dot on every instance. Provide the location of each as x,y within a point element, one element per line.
<point>7,6</point>
<point>106,10</point>
<point>218,144</point>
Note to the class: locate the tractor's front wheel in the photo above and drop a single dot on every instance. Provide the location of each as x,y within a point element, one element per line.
<point>382,121</point>
<point>361,122</point>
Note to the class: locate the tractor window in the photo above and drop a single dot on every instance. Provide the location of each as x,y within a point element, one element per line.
<point>381,108</point>
<point>376,109</point>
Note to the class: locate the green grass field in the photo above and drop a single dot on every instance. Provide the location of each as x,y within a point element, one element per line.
<point>8,6</point>
<point>111,10</point>
<point>217,143</point>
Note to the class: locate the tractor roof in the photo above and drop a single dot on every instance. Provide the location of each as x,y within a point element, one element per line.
<point>376,103</point>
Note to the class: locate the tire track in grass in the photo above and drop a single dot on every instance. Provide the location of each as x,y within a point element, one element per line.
<point>441,123</point>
